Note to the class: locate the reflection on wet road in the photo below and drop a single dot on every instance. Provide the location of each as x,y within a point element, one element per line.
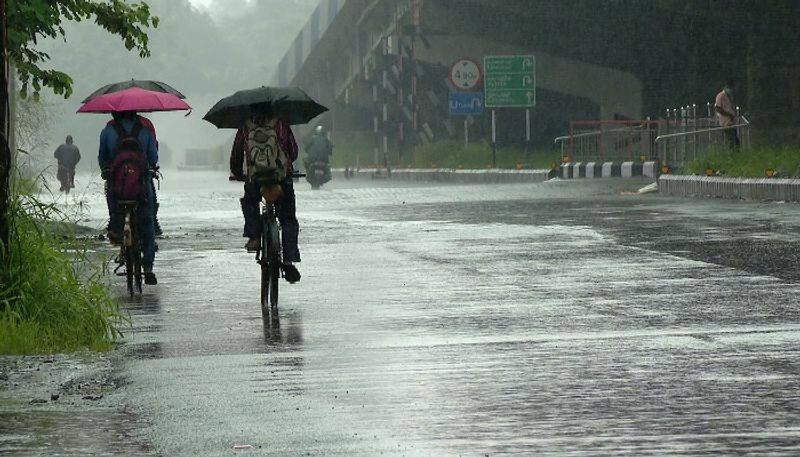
<point>557,318</point>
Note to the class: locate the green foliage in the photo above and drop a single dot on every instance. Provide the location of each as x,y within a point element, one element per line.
<point>52,294</point>
<point>449,154</point>
<point>749,164</point>
<point>32,20</point>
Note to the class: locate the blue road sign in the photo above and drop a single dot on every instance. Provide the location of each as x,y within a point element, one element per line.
<point>466,103</point>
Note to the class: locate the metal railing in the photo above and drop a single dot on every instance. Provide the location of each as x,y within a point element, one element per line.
<point>609,140</point>
<point>679,148</point>
<point>684,135</point>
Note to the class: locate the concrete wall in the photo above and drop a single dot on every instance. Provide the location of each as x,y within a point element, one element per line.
<point>731,188</point>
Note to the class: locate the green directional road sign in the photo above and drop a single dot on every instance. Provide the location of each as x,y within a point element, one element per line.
<point>510,81</point>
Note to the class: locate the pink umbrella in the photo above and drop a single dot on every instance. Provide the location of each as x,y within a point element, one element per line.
<point>134,99</point>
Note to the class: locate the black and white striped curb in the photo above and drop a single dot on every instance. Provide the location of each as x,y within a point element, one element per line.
<point>763,189</point>
<point>591,170</point>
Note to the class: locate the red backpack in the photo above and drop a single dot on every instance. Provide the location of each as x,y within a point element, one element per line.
<point>129,166</point>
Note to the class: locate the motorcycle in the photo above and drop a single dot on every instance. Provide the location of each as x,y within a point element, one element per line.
<point>317,173</point>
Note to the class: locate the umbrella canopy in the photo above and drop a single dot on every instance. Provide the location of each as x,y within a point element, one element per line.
<point>155,86</point>
<point>134,99</point>
<point>288,103</point>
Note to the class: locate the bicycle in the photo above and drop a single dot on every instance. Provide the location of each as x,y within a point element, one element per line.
<point>270,256</point>
<point>130,253</point>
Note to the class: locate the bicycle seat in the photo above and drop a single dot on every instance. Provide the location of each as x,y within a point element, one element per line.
<point>127,204</point>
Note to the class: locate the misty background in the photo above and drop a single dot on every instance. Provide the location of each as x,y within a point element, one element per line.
<point>207,49</point>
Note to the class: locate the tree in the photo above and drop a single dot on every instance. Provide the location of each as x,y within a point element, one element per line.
<point>25,22</point>
<point>31,20</point>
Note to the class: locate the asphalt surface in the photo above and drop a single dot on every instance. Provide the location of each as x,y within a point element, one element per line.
<point>560,318</point>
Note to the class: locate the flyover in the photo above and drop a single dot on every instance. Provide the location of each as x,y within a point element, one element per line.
<point>382,66</point>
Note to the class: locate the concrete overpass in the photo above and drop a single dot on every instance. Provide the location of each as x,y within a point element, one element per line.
<point>381,65</point>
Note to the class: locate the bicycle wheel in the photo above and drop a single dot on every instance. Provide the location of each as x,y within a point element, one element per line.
<point>129,269</point>
<point>128,248</point>
<point>274,264</point>
<point>137,274</point>
<point>265,282</point>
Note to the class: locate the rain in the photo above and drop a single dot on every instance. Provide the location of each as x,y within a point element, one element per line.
<point>400,227</point>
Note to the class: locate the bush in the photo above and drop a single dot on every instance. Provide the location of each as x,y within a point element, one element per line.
<point>449,154</point>
<point>52,294</point>
<point>749,164</point>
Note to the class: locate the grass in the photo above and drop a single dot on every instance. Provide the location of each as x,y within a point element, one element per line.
<point>448,154</point>
<point>752,163</point>
<point>52,294</point>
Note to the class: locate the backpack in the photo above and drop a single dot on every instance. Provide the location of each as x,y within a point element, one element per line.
<point>129,166</point>
<point>266,160</point>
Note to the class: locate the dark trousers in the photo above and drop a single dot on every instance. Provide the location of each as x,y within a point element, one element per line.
<point>732,137</point>
<point>290,228</point>
<point>144,217</point>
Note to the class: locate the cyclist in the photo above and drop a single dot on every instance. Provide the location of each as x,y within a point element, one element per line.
<point>240,156</point>
<point>148,124</point>
<point>129,134</point>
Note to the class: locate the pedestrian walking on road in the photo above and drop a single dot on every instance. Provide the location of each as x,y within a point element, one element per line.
<point>68,155</point>
<point>726,113</point>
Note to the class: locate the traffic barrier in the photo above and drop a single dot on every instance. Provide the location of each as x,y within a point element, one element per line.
<point>650,169</point>
<point>566,171</point>
<point>609,170</point>
<point>578,170</point>
<point>759,189</point>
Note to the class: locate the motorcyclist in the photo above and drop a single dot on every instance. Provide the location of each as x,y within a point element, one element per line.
<point>319,149</point>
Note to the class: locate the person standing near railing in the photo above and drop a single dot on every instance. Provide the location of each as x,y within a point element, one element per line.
<point>726,113</point>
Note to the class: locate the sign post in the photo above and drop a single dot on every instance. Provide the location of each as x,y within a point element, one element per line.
<point>510,83</point>
<point>465,77</point>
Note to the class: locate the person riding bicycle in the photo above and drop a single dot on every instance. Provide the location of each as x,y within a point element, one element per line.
<point>258,132</point>
<point>129,137</point>
<point>148,124</point>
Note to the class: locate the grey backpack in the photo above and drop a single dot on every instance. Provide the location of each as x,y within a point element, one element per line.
<point>266,160</point>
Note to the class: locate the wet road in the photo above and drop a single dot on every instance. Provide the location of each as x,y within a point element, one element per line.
<point>559,318</point>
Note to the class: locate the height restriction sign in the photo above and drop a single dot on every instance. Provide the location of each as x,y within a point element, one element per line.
<point>465,74</point>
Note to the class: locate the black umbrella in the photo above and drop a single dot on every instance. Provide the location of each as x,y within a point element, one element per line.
<point>155,86</point>
<point>288,103</point>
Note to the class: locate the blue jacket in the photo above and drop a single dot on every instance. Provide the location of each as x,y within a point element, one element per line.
<point>109,140</point>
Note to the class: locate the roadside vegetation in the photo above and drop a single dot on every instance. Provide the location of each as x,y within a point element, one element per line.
<point>753,163</point>
<point>53,296</point>
<point>447,154</point>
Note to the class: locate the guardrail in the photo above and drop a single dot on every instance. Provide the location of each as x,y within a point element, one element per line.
<point>609,141</point>
<point>676,149</point>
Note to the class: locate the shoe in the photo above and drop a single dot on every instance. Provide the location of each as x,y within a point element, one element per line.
<point>290,273</point>
<point>253,245</point>
<point>150,279</point>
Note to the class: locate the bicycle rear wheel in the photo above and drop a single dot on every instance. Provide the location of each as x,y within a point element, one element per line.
<point>129,268</point>
<point>270,276</point>
<point>128,249</point>
<point>274,263</point>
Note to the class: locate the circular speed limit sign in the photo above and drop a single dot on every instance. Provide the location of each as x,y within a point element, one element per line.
<point>465,74</point>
